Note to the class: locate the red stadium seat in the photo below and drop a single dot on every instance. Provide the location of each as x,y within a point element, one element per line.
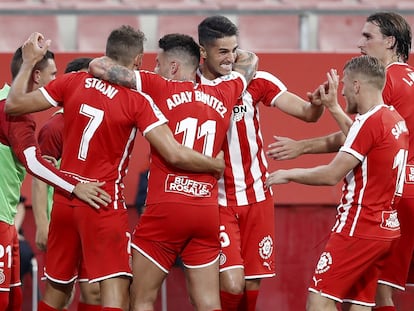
<point>186,24</point>
<point>340,32</point>
<point>92,31</point>
<point>265,33</point>
<point>17,28</point>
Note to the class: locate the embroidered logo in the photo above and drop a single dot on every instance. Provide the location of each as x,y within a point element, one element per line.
<point>2,277</point>
<point>222,259</point>
<point>266,247</point>
<point>324,263</point>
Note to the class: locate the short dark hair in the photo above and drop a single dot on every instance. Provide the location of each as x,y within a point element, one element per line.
<point>215,27</point>
<point>393,24</point>
<point>124,43</point>
<point>181,45</point>
<point>17,61</point>
<point>78,64</point>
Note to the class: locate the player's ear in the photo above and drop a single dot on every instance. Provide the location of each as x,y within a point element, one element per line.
<point>203,52</point>
<point>174,67</point>
<point>138,61</point>
<point>36,76</point>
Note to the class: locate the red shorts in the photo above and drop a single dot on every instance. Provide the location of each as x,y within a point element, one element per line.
<point>98,237</point>
<point>247,235</point>
<point>398,263</point>
<point>10,260</point>
<point>167,230</point>
<point>348,269</point>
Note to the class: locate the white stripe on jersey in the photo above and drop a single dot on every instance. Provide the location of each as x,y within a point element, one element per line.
<point>40,170</point>
<point>48,97</point>
<point>125,156</point>
<point>361,195</point>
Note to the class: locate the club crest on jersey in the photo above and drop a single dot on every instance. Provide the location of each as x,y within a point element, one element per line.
<point>390,220</point>
<point>266,247</point>
<point>324,263</point>
<point>222,259</point>
<point>2,276</point>
<point>238,112</point>
<point>186,186</point>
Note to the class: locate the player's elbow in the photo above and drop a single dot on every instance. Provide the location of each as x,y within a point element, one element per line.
<point>175,158</point>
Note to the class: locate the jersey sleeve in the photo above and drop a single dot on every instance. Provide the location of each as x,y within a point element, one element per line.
<point>23,142</point>
<point>361,137</point>
<point>269,88</point>
<point>54,91</point>
<point>50,136</point>
<point>149,82</point>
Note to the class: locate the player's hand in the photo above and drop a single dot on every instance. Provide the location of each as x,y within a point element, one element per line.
<point>41,237</point>
<point>220,165</point>
<point>284,148</point>
<point>51,159</point>
<point>328,95</point>
<point>92,193</point>
<point>35,48</point>
<point>276,178</point>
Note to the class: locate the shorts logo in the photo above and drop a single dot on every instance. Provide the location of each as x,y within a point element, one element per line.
<point>2,277</point>
<point>390,220</point>
<point>222,259</point>
<point>186,186</point>
<point>324,263</point>
<point>266,247</point>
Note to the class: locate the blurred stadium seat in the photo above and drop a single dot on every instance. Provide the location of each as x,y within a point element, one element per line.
<point>92,31</point>
<point>186,24</point>
<point>340,32</point>
<point>265,33</point>
<point>17,28</point>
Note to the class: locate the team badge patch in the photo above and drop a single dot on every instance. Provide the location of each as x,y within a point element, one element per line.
<point>222,259</point>
<point>2,277</point>
<point>324,263</point>
<point>266,247</point>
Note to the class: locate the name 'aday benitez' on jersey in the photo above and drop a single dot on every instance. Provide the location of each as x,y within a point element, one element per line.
<point>187,97</point>
<point>101,86</point>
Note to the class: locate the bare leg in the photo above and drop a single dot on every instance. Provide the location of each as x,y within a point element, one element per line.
<point>146,282</point>
<point>57,295</point>
<point>384,296</point>
<point>232,281</point>
<point>90,293</point>
<point>115,292</point>
<point>316,302</point>
<point>203,287</point>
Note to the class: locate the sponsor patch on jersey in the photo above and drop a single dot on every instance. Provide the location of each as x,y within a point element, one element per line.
<point>238,112</point>
<point>409,174</point>
<point>324,263</point>
<point>186,186</point>
<point>390,220</point>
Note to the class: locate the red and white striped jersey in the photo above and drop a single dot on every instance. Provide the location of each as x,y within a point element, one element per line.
<point>101,120</point>
<point>199,117</point>
<point>379,140</point>
<point>244,178</point>
<point>399,92</point>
